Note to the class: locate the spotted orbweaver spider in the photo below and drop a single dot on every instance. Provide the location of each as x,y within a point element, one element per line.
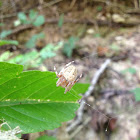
<point>67,76</point>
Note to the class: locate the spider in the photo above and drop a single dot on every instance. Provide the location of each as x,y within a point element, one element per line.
<point>67,76</point>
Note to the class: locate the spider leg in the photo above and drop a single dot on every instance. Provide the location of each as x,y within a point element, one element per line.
<point>69,63</point>
<point>58,75</point>
<point>78,78</point>
<point>69,86</point>
<point>55,70</point>
<point>60,81</point>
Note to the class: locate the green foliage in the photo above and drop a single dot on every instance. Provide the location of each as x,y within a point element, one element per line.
<point>22,17</point>
<point>5,42</point>
<point>80,87</point>
<point>33,18</point>
<point>130,70</point>
<point>40,20</point>
<point>32,101</point>
<point>61,20</point>
<point>69,46</point>
<point>5,33</point>
<point>33,14</point>
<point>33,58</point>
<point>29,59</point>
<point>46,138</point>
<point>49,50</point>
<point>136,92</point>
<point>32,41</point>
<point>4,56</point>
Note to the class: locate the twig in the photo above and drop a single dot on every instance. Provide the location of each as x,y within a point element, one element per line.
<point>20,29</point>
<point>88,93</point>
<point>92,22</point>
<point>51,3</point>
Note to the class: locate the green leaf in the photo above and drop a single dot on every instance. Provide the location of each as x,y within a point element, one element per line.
<point>47,51</point>
<point>5,42</point>
<point>40,20</point>
<point>30,59</point>
<point>5,56</point>
<point>22,17</point>
<point>32,101</point>
<point>5,33</point>
<point>69,46</point>
<point>80,87</point>
<point>136,92</point>
<point>61,20</point>
<point>32,42</point>
<point>33,14</point>
<point>9,71</point>
<point>46,138</point>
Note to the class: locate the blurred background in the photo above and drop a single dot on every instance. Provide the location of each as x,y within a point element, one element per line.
<point>41,34</point>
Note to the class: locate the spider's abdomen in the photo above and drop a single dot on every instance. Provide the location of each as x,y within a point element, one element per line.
<point>70,73</point>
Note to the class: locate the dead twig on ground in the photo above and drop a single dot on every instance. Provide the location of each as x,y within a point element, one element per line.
<point>92,22</point>
<point>20,29</point>
<point>88,93</point>
<point>76,21</point>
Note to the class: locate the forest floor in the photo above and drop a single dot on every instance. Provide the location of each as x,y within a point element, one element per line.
<point>112,96</point>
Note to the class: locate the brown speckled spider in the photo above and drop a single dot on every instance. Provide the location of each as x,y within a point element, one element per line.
<point>67,76</point>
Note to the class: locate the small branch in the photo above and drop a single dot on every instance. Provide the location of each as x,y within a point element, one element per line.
<point>88,93</point>
<point>92,22</point>
<point>20,29</point>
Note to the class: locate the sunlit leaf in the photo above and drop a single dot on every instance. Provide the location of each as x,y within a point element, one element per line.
<point>32,101</point>
<point>4,56</point>
<point>80,87</point>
